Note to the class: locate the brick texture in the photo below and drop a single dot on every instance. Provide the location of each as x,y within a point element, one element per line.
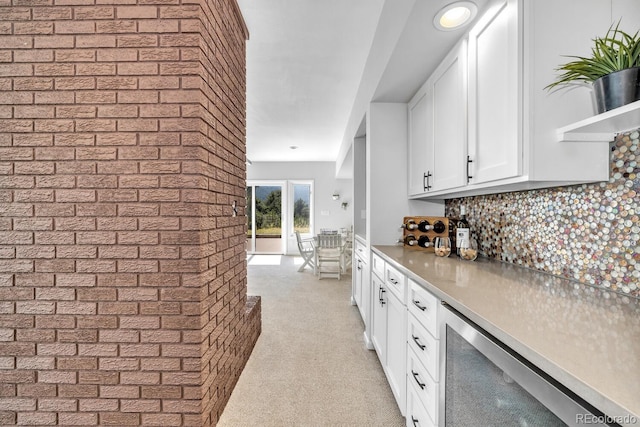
<point>122,269</point>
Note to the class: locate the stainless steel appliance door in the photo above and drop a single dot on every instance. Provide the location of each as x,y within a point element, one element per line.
<point>484,383</point>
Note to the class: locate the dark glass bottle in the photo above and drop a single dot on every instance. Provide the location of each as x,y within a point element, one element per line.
<point>439,227</point>
<point>424,241</point>
<point>463,231</point>
<point>424,226</point>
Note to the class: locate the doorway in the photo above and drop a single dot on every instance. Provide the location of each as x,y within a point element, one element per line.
<point>264,216</point>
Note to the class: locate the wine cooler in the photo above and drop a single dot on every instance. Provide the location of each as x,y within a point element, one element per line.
<point>420,232</point>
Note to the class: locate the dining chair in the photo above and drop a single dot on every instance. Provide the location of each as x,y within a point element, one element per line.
<point>307,252</point>
<point>329,255</point>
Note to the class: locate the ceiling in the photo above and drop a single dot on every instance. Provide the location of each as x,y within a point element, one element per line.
<point>311,68</point>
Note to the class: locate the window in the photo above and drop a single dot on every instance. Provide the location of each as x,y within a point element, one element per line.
<point>301,202</point>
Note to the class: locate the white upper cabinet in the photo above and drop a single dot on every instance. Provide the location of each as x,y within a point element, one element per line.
<point>494,143</point>
<point>420,152</point>
<point>438,129</point>
<point>499,132</point>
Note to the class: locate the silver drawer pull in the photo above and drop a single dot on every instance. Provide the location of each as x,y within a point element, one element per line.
<point>421,346</point>
<point>415,377</point>
<point>415,421</point>
<point>417,304</point>
<point>392,280</point>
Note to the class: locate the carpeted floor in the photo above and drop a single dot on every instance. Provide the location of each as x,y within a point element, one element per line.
<point>310,366</point>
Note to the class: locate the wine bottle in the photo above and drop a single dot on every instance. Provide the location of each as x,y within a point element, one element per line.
<point>439,227</point>
<point>410,240</point>
<point>424,226</point>
<point>423,241</point>
<point>463,231</point>
<point>410,225</point>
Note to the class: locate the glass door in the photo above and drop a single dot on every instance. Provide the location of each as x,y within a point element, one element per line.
<point>264,218</point>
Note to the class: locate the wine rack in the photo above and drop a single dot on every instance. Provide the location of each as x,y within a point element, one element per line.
<point>431,234</point>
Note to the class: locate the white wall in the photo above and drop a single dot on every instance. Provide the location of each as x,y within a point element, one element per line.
<point>325,184</point>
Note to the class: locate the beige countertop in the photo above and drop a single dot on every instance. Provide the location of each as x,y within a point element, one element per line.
<point>586,338</point>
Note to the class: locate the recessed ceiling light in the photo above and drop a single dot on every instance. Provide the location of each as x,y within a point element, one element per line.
<point>455,15</point>
<point>293,147</point>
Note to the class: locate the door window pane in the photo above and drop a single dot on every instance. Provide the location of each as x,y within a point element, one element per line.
<point>302,208</point>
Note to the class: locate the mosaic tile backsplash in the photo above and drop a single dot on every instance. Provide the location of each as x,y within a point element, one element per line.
<point>589,233</point>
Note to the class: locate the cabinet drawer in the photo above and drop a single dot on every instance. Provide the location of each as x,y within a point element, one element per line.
<point>396,282</point>
<point>417,414</point>
<point>426,389</point>
<point>360,250</point>
<point>424,306</point>
<point>425,346</point>
<point>377,265</point>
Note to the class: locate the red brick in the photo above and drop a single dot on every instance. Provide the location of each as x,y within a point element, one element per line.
<point>57,377</point>
<point>120,336</point>
<point>102,97</point>
<point>101,322</point>
<point>55,294</point>
<point>161,419</point>
<point>78,390</point>
<point>119,419</point>
<point>137,12</point>
<point>158,54</point>
<point>77,419</point>
<point>138,97</point>
<point>7,418</point>
<point>73,55</point>
<point>51,13</point>
<point>74,27</point>
<point>98,405</point>
<point>57,349</point>
<point>140,378</point>
<point>84,335</point>
<point>95,12</point>
<point>36,418</point>
<point>116,27</point>
<point>73,140</point>
<point>162,336</point>
<point>116,55</point>
<point>108,350</point>
<point>119,391</point>
<point>37,390</point>
<point>33,307</point>
<point>75,307</point>
<point>74,280</point>
<point>142,238</point>
<point>96,294</point>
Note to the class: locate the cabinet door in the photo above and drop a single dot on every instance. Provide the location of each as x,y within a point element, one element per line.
<point>357,288</point>
<point>495,142</point>
<point>397,348</point>
<point>379,320</point>
<point>449,89</point>
<point>420,150</point>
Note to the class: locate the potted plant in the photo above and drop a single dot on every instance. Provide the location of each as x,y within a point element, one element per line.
<point>613,69</point>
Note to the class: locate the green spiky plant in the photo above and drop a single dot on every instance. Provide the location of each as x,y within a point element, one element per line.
<point>616,51</point>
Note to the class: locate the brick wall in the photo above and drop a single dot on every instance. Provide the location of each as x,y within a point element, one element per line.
<point>122,270</point>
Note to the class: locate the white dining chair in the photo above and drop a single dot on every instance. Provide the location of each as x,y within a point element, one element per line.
<point>307,252</point>
<point>329,255</point>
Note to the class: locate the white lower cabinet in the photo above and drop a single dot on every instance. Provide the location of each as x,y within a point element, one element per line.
<point>388,334</point>
<point>396,348</point>
<point>417,415</point>
<point>425,387</point>
<point>404,333</point>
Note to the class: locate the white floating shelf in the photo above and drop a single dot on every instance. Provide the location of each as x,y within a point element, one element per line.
<point>603,127</point>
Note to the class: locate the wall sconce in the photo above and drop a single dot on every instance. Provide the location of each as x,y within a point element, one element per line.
<point>344,205</point>
<point>336,196</point>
